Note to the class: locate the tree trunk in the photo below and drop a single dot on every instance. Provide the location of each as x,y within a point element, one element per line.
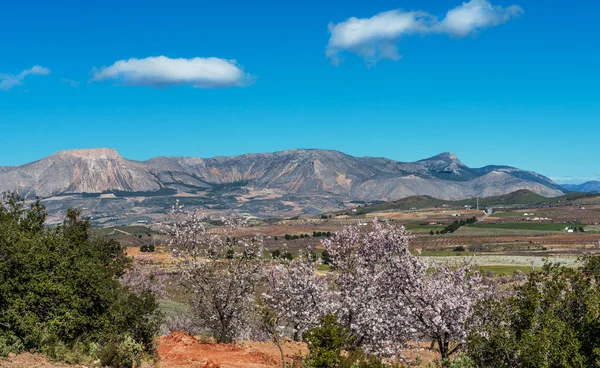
<point>278,343</point>
<point>443,344</point>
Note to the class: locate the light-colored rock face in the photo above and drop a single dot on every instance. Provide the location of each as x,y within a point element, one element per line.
<point>305,173</point>
<point>79,171</point>
<point>93,153</point>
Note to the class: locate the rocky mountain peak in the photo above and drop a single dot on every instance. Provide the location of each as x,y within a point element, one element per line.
<point>447,157</point>
<point>94,153</point>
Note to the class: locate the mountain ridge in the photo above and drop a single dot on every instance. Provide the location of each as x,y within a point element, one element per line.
<point>592,186</point>
<point>104,169</point>
<point>300,180</point>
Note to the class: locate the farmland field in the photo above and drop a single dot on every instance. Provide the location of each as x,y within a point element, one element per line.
<point>521,226</point>
<point>498,231</point>
<point>508,214</point>
<point>423,228</point>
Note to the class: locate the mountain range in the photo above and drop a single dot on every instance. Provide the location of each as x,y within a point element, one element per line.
<point>111,187</point>
<point>587,187</point>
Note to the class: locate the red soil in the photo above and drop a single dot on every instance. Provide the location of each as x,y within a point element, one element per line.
<point>182,350</point>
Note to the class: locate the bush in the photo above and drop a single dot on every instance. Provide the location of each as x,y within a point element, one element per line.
<point>331,346</point>
<point>552,320</point>
<point>124,352</point>
<point>325,257</point>
<point>60,289</point>
<point>460,248</point>
<point>147,248</point>
<point>9,343</point>
<point>326,343</point>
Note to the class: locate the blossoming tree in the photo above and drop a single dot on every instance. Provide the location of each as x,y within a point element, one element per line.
<point>388,296</point>
<point>220,272</point>
<point>297,295</point>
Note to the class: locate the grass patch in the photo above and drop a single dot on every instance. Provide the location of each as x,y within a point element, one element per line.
<point>324,268</point>
<point>521,226</point>
<point>508,214</point>
<point>418,227</point>
<point>505,270</point>
<point>443,253</point>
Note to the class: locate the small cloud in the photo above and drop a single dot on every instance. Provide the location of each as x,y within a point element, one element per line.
<point>8,81</point>
<point>161,71</point>
<point>474,15</point>
<point>70,82</point>
<point>376,38</point>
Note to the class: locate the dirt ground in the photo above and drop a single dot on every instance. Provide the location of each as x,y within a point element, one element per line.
<point>182,350</point>
<point>28,360</point>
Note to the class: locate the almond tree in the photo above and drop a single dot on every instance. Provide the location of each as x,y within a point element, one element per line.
<point>297,295</point>
<point>388,296</point>
<point>144,277</point>
<point>441,301</point>
<point>220,272</point>
<point>368,306</point>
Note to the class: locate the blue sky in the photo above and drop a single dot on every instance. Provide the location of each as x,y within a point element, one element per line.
<point>521,89</point>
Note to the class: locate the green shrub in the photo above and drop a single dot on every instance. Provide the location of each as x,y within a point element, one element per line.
<point>326,343</point>
<point>331,346</point>
<point>60,289</point>
<point>552,320</point>
<point>9,343</point>
<point>123,352</point>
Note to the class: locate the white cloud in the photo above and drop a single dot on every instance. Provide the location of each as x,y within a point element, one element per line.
<point>8,81</point>
<point>376,38</point>
<point>474,15</point>
<point>161,71</point>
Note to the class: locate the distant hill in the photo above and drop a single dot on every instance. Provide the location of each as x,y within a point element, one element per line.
<point>520,197</point>
<point>588,187</point>
<point>265,184</point>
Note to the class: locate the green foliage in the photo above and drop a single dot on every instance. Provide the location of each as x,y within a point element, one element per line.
<point>60,288</point>
<point>147,248</point>
<point>458,224</point>
<point>591,266</point>
<point>296,237</point>
<point>331,346</point>
<point>124,352</point>
<point>461,362</point>
<point>326,343</point>
<point>552,320</point>
<point>9,343</point>
<point>326,257</point>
